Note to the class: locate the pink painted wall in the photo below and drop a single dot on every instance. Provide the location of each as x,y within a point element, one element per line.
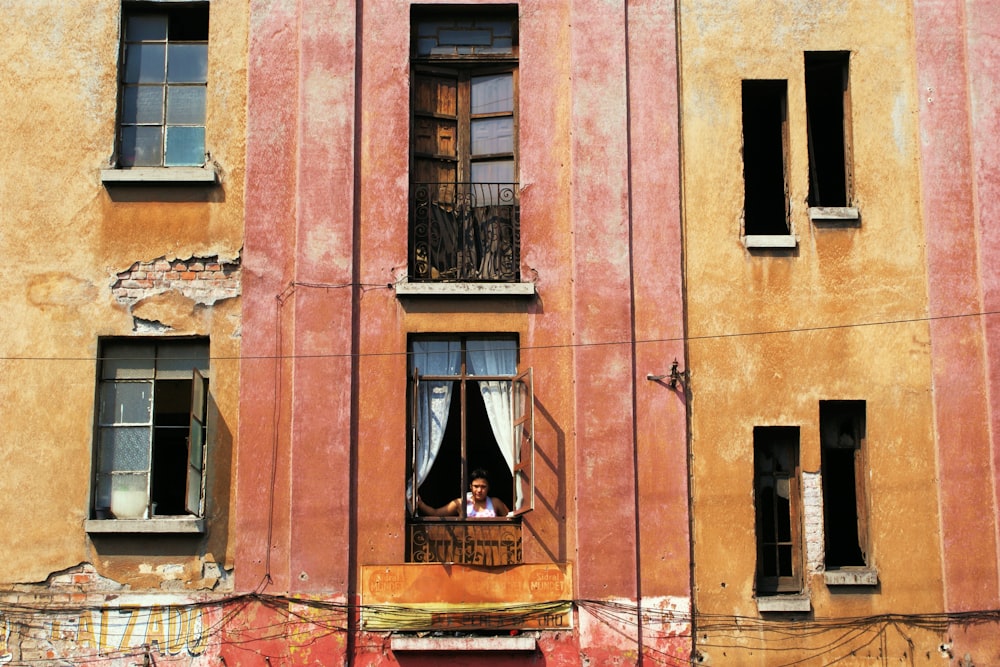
<point>322,460</point>
<point>957,57</point>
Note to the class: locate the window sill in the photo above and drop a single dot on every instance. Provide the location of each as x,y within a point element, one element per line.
<point>835,216</point>
<point>783,603</point>
<point>851,576</point>
<point>174,525</point>
<point>160,175</point>
<point>770,241</point>
<point>463,643</point>
<point>406,288</point>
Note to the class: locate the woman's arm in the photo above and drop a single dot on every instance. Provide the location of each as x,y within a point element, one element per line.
<point>451,509</point>
<point>499,507</point>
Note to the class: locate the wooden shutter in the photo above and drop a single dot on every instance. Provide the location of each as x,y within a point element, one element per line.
<point>435,127</point>
<point>523,409</point>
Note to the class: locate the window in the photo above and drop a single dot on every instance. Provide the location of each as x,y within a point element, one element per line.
<point>470,408</point>
<point>464,199</point>
<point>777,499</point>
<point>150,456</point>
<point>164,77</point>
<point>842,435</point>
<point>828,111</point>
<point>765,156</point>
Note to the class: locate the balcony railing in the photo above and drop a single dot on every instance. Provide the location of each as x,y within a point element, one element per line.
<point>465,232</point>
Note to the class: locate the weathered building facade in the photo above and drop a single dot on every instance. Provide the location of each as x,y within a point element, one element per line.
<point>438,193</point>
<point>826,236</point>
<point>706,287</point>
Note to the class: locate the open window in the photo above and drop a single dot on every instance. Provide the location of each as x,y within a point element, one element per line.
<point>150,455</point>
<point>470,409</point>
<point>777,500</point>
<point>845,507</point>
<point>464,198</point>
<point>828,105</point>
<point>766,215</point>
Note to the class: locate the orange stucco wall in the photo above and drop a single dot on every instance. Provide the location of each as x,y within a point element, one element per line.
<point>70,236</point>
<point>840,316</point>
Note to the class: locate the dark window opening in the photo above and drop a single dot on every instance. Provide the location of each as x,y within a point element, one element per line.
<point>447,479</point>
<point>776,495</point>
<point>764,157</point>
<point>842,432</point>
<point>827,104</point>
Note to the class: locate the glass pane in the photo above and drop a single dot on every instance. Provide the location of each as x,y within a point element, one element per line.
<point>493,93</point>
<point>126,402</point>
<point>129,496</point>
<point>186,105</point>
<point>437,357</point>
<point>145,28</point>
<point>187,63</point>
<point>492,357</point>
<point>182,357</point>
<point>493,171</point>
<point>141,147</point>
<point>145,63</point>
<point>185,147</point>
<point>102,498</point>
<point>142,105</point>
<point>195,444</point>
<point>785,560</point>
<point>124,448</point>
<point>492,135</point>
<point>127,360</point>
<point>192,492</point>
<point>769,564</point>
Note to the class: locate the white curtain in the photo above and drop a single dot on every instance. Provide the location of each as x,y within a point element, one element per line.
<point>496,357</point>
<point>433,401</point>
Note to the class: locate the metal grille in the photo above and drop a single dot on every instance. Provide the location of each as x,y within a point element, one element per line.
<point>465,232</point>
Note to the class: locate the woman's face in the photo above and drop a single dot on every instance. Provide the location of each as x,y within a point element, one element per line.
<point>480,488</point>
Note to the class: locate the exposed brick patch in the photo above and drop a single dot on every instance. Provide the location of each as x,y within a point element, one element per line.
<point>204,280</point>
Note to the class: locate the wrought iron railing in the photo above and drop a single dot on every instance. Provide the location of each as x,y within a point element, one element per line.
<point>465,232</point>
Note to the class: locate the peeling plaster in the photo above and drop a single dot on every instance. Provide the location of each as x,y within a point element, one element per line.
<point>163,293</point>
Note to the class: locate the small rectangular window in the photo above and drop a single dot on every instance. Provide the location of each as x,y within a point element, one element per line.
<point>765,158</point>
<point>777,502</point>
<point>164,82</point>
<point>842,435</point>
<point>150,454</point>
<point>828,114</point>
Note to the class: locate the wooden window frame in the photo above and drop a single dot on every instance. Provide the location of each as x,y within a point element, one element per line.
<point>767,441</point>
<point>522,427</point>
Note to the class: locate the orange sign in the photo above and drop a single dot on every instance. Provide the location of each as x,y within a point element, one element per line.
<point>433,596</point>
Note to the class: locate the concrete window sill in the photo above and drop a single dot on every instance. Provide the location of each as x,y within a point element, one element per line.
<point>770,241</point>
<point>407,288</point>
<point>171,526</point>
<point>851,576</point>
<point>835,216</point>
<point>464,643</point>
<point>165,175</point>
<point>783,603</point>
